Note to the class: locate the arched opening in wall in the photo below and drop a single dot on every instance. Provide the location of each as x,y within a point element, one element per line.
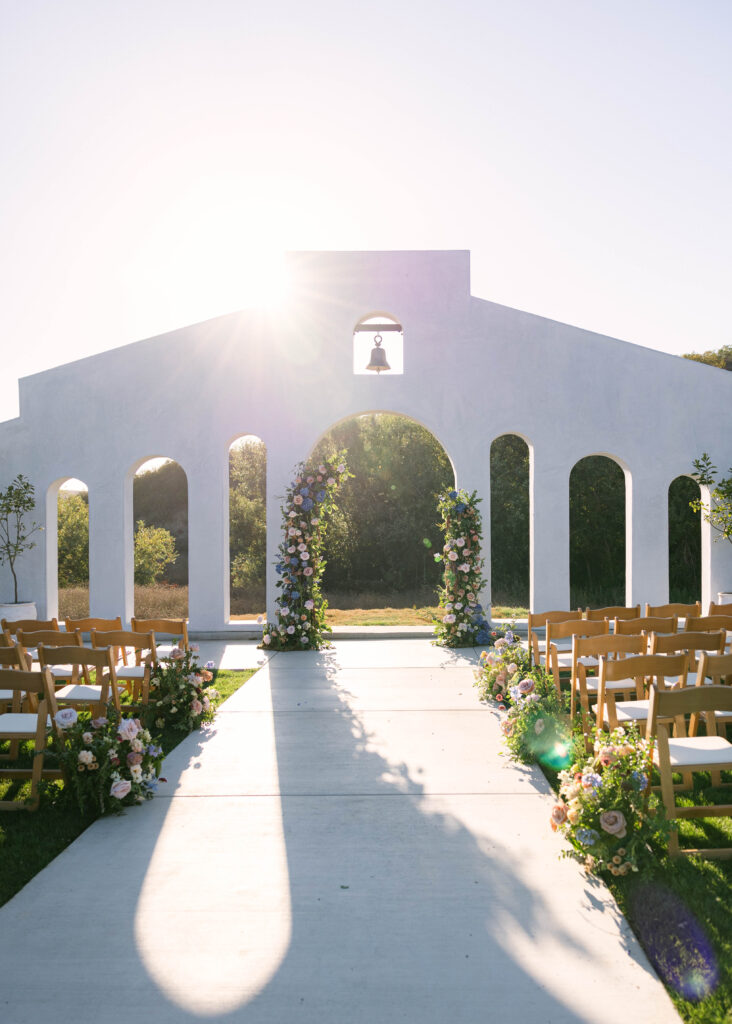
<point>596,533</point>
<point>72,549</point>
<point>378,345</point>
<point>384,534</point>
<point>684,541</point>
<point>510,521</point>
<point>160,517</point>
<point>247,527</point>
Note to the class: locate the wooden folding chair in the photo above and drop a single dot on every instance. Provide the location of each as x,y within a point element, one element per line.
<point>31,640</point>
<point>559,643</point>
<point>681,611</point>
<point>12,700</point>
<point>537,631</point>
<point>28,725</point>
<point>637,671</point>
<point>715,608</point>
<point>75,693</point>
<point>691,644</point>
<point>718,669</point>
<point>688,754</point>
<point>646,624</point>
<point>136,677</point>
<point>614,611</point>
<point>11,628</point>
<point>177,628</point>
<point>586,654</point>
<point>710,623</point>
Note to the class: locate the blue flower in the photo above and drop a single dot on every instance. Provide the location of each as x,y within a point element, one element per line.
<point>509,636</point>
<point>587,836</point>
<point>640,780</point>
<point>453,494</point>
<point>295,594</point>
<point>304,491</point>
<point>307,504</point>
<point>320,496</point>
<point>279,568</point>
<point>461,506</point>
<point>591,780</point>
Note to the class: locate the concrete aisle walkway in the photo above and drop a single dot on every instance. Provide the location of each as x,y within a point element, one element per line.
<point>345,845</point>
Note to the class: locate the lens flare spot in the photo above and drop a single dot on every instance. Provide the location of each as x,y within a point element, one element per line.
<point>674,940</point>
<point>427,542</point>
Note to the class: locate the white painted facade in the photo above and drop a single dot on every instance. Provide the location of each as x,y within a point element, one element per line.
<point>473,370</point>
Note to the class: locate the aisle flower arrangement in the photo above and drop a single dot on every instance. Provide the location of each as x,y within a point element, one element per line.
<point>501,667</point>
<point>462,622</point>
<point>606,810</point>
<point>301,605</point>
<point>536,725</point>
<point>180,695</point>
<point>108,762</point>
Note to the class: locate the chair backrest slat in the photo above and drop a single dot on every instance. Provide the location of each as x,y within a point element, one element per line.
<point>646,624</point>
<point>12,626</point>
<point>615,611</point>
<point>681,611</point>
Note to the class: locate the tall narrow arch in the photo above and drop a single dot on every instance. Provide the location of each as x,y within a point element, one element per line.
<point>597,532</point>
<point>67,548</point>
<point>510,520</point>
<point>159,538</point>
<point>247,525</point>
<point>684,541</point>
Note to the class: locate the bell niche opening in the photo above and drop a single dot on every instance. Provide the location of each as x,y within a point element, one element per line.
<point>378,345</point>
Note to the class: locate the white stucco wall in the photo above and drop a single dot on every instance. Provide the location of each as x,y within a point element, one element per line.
<point>472,370</point>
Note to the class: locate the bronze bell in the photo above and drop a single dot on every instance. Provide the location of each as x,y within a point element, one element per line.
<point>378,356</point>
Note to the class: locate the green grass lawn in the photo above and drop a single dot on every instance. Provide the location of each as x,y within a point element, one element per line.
<point>29,840</point>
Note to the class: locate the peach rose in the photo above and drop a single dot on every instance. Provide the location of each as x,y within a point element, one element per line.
<point>613,822</point>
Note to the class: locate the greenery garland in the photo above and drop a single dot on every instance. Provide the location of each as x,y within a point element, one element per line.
<point>463,622</point>
<point>301,605</point>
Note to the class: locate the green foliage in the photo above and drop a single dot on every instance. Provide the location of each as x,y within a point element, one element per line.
<point>718,511</point>
<point>384,532</point>
<point>154,549</point>
<point>597,532</point>
<point>721,357</point>
<point>510,520</point>
<point>16,502</point>
<point>247,515</point>
<point>73,539</point>
<point>160,498</point>
<point>684,541</point>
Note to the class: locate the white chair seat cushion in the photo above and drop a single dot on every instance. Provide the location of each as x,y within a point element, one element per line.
<point>691,750</point>
<point>593,685</point>
<point>18,723</point>
<point>9,694</point>
<point>628,711</point>
<point>563,659</point>
<point>57,671</point>
<point>130,671</point>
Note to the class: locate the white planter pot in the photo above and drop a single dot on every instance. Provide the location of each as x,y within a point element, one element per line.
<point>724,597</point>
<point>22,610</point>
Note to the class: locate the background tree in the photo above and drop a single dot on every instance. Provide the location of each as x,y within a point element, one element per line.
<point>721,357</point>
<point>510,520</point>
<point>384,533</point>
<point>73,539</point>
<point>154,550</point>
<point>160,498</point>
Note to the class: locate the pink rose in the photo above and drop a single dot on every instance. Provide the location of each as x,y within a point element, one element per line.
<point>308,571</point>
<point>196,707</point>
<point>134,758</point>
<point>177,654</point>
<point>120,789</point>
<point>613,822</point>
<point>298,499</point>
<point>513,667</point>
<point>526,686</point>
<point>559,814</point>
<point>127,729</point>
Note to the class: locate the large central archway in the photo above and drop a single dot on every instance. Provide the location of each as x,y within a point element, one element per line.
<point>383,536</point>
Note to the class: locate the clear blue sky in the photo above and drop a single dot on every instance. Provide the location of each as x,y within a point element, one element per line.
<point>157,155</point>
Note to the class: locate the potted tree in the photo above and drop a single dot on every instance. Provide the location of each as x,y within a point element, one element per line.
<point>17,501</point>
<point>718,511</point>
